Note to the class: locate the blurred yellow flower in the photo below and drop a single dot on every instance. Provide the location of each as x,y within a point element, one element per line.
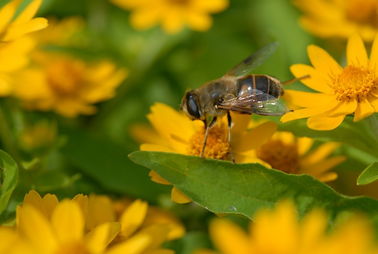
<point>14,45</point>
<point>88,225</point>
<point>174,132</point>
<point>340,18</point>
<point>341,91</point>
<point>66,85</point>
<point>294,155</point>
<point>38,135</point>
<point>279,231</point>
<point>173,15</point>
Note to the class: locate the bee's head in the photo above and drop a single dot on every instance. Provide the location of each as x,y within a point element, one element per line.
<point>190,104</point>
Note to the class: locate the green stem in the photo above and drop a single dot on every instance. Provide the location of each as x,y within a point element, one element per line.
<point>7,136</point>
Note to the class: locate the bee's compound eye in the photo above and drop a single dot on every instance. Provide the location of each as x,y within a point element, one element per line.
<point>192,105</point>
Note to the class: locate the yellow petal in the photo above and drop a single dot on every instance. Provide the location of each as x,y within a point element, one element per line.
<point>100,210</point>
<point>323,123</point>
<point>173,22</point>
<point>155,177</point>
<point>305,99</point>
<point>320,153</point>
<point>318,80</point>
<point>6,14</point>
<point>155,148</point>
<point>179,197</point>
<point>344,108</point>
<point>229,238</point>
<point>374,55</point>
<point>205,251</point>
<point>322,61</point>
<point>327,177</point>
<point>356,52</point>
<point>364,109</point>
<point>100,237</point>
<point>313,227</point>
<point>320,167</point>
<point>68,221</point>
<point>160,251</point>
<point>29,12</point>
<point>19,30</point>
<point>133,217</point>
<point>254,138</point>
<point>145,134</point>
<point>199,21</point>
<point>210,5</point>
<point>304,144</point>
<point>145,18</point>
<point>36,229</point>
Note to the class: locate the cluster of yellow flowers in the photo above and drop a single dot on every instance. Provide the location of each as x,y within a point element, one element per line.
<point>88,225</point>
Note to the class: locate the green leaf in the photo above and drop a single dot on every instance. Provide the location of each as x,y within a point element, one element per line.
<point>107,163</point>
<point>369,175</point>
<point>9,177</point>
<point>225,187</point>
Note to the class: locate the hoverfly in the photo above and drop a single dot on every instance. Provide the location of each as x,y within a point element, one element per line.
<point>239,92</point>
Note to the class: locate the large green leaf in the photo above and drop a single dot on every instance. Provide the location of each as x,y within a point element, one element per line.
<point>225,187</point>
<point>107,163</point>
<point>9,177</point>
<point>369,175</point>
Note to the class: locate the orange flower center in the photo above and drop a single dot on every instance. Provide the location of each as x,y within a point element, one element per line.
<point>280,155</point>
<point>65,77</point>
<point>364,12</point>
<point>217,146</point>
<point>72,248</point>
<point>354,83</point>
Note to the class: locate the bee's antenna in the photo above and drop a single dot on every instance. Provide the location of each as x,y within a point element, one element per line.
<point>291,81</point>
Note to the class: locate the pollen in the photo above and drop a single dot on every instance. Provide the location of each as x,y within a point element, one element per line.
<point>354,83</point>
<point>280,155</point>
<point>217,146</point>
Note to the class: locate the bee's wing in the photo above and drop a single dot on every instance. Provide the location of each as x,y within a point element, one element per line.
<point>256,103</point>
<point>253,61</point>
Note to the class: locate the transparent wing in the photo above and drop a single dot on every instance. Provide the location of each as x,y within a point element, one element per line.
<point>255,103</point>
<point>253,61</point>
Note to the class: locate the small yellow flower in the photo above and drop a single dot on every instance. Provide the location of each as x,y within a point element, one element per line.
<point>340,18</point>
<point>176,133</point>
<point>38,135</point>
<point>279,231</point>
<point>341,91</point>
<point>66,85</point>
<point>88,225</point>
<point>294,155</point>
<point>14,45</point>
<point>173,15</point>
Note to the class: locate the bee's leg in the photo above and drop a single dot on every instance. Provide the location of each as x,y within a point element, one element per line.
<point>207,128</point>
<point>291,81</point>
<point>229,123</point>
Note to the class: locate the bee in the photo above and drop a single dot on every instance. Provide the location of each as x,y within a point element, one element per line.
<point>239,92</point>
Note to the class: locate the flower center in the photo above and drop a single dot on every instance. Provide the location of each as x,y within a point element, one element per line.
<point>72,248</point>
<point>354,83</point>
<point>65,77</point>
<point>279,155</point>
<point>217,146</point>
<point>364,12</point>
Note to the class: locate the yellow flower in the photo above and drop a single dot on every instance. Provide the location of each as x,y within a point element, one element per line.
<point>14,45</point>
<point>176,133</point>
<point>341,90</point>
<point>14,26</point>
<point>279,231</point>
<point>103,228</point>
<point>340,18</point>
<point>173,15</point>
<point>66,85</point>
<point>38,135</point>
<point>293,155</point>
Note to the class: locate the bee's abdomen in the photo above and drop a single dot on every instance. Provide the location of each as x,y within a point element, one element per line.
<point>260,85</point>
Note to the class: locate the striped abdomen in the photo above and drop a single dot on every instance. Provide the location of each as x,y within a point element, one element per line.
<point>260,85</point>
